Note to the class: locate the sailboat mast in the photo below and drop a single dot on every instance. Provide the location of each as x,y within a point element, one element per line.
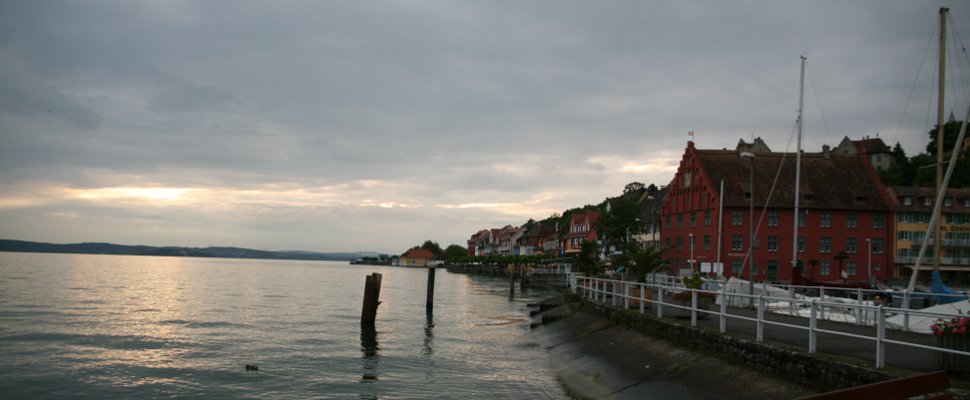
<point>944,12</point>
<point>798,166</point>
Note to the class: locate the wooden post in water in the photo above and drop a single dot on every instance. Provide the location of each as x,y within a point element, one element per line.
<point>430,303</point>
<point>372,292</point>
<point>511,280</point>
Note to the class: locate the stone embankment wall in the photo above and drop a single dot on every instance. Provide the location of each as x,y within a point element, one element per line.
<point>815,371</point>
<point>529,279</point>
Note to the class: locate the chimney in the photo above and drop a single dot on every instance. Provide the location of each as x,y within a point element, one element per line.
<point>826,151</point>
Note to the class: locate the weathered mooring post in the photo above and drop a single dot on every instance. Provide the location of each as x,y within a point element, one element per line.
<point>511,270</point>
<point>372,293</point>
<point>429,306</point>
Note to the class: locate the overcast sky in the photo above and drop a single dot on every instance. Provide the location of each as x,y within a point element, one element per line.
<point>377,125</point>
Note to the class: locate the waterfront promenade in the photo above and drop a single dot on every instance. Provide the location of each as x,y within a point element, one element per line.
<point>626,364</point>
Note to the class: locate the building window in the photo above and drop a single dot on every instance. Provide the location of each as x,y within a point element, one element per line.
<point>736,266</point>
<point>850,245</point>
<point>907,201</point>
<point>680,221</point>
<point>707,242</point>
<point>772,218</point>
<point>850,268</point>
<point>966,202</point>
<point>878,246</point>
<point>680,243</point>
<point>737,216</point>
<point>737,242</point>
<point>801,220</point>
<point>878,221</point>
<point>927,201</point>
<point>825,244</point>
<point>826,220</point>
<point>947,202</point>
<point>667,242</point>
<point>825,268</point>
<point>693,220</point>
<point>801,244</point>
<point>707,218</point>
<point>667,222</point>
<point>877,266</point>
<point>851,221</point>
<point>772,243</point>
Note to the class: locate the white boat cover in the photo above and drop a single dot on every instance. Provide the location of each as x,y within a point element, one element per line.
<point>921,323</point>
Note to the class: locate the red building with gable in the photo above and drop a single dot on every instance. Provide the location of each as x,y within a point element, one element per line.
<point>843,207</point>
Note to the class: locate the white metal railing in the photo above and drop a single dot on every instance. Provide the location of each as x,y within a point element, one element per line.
<point>617,294</point>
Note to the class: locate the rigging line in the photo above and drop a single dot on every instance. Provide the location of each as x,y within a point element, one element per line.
<point>962,50</point>
<point>818,100</point>
<point>764,210</point>
<point>912,90</point>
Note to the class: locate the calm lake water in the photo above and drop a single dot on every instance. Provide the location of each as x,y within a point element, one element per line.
<point>93,326</point>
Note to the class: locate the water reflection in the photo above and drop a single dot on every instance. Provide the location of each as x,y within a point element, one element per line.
<point>370,350</point>
<point>428,336</point>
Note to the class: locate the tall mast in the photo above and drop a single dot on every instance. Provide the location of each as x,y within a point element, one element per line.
<point>798,165</point>
<point>944,12</point>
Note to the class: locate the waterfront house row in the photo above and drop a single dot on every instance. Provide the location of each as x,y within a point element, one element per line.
<point>848,221</point>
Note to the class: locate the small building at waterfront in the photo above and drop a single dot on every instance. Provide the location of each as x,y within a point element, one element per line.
<point>416,257</point>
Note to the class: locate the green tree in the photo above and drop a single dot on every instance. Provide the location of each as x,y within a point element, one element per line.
<point>616,226</point>
<point>433,246</point>
<point>586,260</point>
<point>454,252</point>
<point>633,187</point>
<point>642,260</point>
<point>951,130</point>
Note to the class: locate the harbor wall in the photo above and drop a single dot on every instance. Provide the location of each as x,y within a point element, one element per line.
<point>812,370</point>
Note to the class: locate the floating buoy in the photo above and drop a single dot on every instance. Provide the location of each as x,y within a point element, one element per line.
<point>252,367</point>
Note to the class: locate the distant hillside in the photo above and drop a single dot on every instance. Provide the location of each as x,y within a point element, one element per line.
<point>221,252</point>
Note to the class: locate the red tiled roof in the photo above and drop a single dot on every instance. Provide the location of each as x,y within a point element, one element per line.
<point>834,182</point>
<point>872,146</point>
<point>418,253</point>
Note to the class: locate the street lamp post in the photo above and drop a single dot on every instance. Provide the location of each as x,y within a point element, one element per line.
<point>692,261</point>
<point>869,263</point>
<point>750,157</point>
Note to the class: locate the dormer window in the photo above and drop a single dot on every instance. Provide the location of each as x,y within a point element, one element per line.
<point>947,202</point>
<point>927,201</point>
<point>907,201</point>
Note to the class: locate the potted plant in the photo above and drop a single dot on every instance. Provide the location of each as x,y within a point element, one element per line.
<point>683,298</point>
<point>952,334</point>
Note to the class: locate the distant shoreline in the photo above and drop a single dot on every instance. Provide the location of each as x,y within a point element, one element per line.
<point>169,251</point>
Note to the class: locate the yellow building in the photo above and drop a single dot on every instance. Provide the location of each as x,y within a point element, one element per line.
<point>913,210</point>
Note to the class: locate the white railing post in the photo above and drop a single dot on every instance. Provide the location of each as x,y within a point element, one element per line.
<point>693,308</point>
<point>881,337</point>
<point>626,295</point>
<point>642,299</point>
<point>791,300</point>
<point>761,318</point>
<point>723,314</point>
<point>812,326</point>
<point>858,309</point>
<point>906,312</point>
<point>821,307</point>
